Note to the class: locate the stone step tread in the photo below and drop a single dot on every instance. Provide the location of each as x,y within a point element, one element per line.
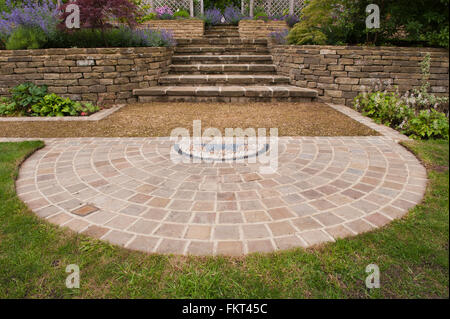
<point>224,67</point>
<point>203,79</point>
<point>223,57</point>
<point>222,40</point>
<point>236,91</point>
<point>197,48</point>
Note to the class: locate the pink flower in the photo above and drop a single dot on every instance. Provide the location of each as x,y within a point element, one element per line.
<point>83,113</point>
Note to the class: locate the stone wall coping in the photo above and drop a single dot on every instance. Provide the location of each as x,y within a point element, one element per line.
<point>61,51</point>
<point>359,48</point>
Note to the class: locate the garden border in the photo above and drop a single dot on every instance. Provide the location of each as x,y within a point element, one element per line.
<point>97,116</point>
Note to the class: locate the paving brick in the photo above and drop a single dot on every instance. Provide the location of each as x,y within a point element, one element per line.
<point>156,206</point>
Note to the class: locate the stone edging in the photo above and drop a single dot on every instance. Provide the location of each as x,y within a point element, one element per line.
<point>100,115</point>
<point>380,128</point>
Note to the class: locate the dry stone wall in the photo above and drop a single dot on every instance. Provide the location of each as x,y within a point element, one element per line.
<point>102,75</point>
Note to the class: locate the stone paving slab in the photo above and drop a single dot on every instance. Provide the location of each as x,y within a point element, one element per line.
<point>127,191</point>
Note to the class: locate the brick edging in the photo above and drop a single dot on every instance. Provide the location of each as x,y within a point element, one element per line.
<point>97,116</point>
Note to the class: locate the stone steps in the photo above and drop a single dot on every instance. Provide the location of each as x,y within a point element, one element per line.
<point>223,79</point>
<point>225,94</point>
<point>222,68</point>
<point>222,59</point>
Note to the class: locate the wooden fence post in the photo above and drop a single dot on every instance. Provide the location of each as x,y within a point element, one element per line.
<point>191,7</point>
<point>291,7</point>
<point>251,8</point>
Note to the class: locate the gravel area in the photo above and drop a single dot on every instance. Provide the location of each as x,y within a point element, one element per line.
<point>158,119</point>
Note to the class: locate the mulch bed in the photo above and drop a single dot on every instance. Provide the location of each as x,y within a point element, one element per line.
<point>158,119</point>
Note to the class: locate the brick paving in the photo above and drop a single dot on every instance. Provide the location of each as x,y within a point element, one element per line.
<point>127,191</point>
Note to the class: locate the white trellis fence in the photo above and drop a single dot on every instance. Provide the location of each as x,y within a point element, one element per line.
<point>248,7</point>
<point>272,7</point>
<point>194,7</point>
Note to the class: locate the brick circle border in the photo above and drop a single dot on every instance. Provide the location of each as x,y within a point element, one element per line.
<point>128,192</point>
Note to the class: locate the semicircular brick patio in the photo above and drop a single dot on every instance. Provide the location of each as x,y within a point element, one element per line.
<point>127,191</point>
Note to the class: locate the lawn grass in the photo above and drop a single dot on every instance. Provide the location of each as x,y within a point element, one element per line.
<point>412,254</point>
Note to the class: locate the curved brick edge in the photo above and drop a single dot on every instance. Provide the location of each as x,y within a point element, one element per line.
<point>100,115</point>
<point>326,188</point>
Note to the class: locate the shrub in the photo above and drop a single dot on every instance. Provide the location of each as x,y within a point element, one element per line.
<point>301,34</point>
<point>385,108</point>
<point>183,14</point>
<point>212,17</point>
<point>96,14</point>
<point>279,37</point>
<point>391,109</point>
<point>26,37</point>
<point>164,12</point>
<point>24,95</point>
<point>118,37</point>
<point>343,21</point>
<point>54,105</point>
<point>428,124</point>
<point>29,99</point>
<point>232,15</point>
<point>261,16</point>
<point>291,20</point>
<point>147,17</point>
<point>28,13</point>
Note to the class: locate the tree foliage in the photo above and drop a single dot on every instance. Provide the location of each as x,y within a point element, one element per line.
<point>423,22</point>
<point>97,14</point>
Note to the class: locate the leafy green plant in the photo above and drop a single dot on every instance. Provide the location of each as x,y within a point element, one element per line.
<point>261,16</point>
<point>7,107</point>
<point>25,95</point>
<point>301,34</point>
<point>385,108</point>
<point>54,105</point>
<point>25,38</point>
<point>147,17</point>
<point>428,124</point>
<point>31,100</point>
<point>181,14</point>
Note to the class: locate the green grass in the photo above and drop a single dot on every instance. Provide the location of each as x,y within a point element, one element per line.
<point>412,254</point>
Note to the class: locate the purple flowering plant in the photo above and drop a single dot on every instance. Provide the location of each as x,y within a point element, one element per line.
<point>163,11</point>
<point>30,13</point>
<point>279,37</point>
<point>232,15</point>
<point>213,16</point>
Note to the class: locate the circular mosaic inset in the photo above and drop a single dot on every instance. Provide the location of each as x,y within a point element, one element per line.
<point>220,151</point>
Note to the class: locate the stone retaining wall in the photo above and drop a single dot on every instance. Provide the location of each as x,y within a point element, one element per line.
<point>105,76</point>
<point>259,28</point>
<point>181,29</point>
<point>339,73</point>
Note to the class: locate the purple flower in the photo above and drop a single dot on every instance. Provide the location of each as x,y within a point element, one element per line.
<point>165,10</point>
<point>291,20</point>
<point>213,16</point>
<point>232,15</point>
<point>42,14</point>
<point>279,37</point>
